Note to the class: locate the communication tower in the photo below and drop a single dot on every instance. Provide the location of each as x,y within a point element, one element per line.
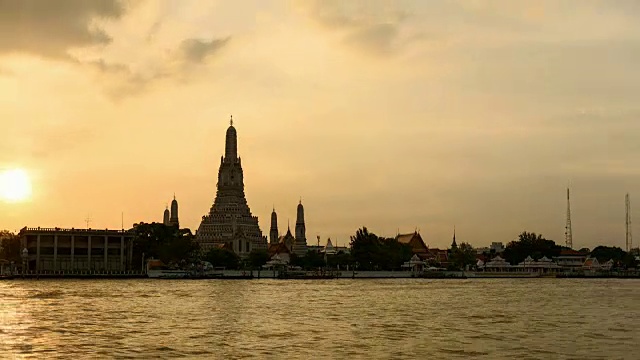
<point>568,236</point>
<point>628,238</point>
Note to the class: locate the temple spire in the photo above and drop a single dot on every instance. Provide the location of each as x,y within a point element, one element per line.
<point>301,237</point>
<point>273,232</point>
<point>231,145</point>
<point>454,245</point>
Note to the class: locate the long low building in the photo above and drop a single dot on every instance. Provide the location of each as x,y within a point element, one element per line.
<point>72,250</point>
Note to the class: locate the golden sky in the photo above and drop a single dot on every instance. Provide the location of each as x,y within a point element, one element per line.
<point>386,114</point>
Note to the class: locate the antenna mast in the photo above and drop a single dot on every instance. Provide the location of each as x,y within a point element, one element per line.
<point>628,238</point>
<point>568,236</point>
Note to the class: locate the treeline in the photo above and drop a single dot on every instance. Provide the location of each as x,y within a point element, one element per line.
<point>536,246</point>
<point>530,244</point>
<point>368,251</point>
<point>371,252</point>
<point>170,244</point>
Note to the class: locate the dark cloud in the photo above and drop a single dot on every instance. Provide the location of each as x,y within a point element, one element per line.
<point>51,28</point>
<point>197,50</point>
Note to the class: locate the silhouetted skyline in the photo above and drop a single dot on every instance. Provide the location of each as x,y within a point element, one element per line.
<point>390,115</point>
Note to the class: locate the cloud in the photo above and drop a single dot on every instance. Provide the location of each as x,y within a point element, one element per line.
<point>122,80</point>
<point>379,38</point>
<point>197,50</point>
<point>68,30</point>
<point>51,28</point>
<point>373,26</point>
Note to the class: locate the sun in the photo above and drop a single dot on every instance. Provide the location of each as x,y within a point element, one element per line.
<point>15,185</point>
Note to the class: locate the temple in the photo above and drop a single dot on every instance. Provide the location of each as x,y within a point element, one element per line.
<point>171,218</point>
<point>229,222</point>
<point>294,244</point>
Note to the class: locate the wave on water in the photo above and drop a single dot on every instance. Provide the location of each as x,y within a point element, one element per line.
<point>51,294</point>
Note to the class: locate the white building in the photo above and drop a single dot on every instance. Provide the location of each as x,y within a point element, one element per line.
<point>73,250</point>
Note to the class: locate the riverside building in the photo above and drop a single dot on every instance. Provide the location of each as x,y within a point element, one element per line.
<point>77,250</point>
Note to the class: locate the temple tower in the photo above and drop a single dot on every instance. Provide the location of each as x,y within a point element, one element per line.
<point>173,219</point>
<point>273,233</point>
<point>166,218</point>
<point>300,248</point>
<point>229,221</point>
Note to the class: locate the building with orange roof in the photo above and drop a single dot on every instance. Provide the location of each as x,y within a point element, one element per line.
<point>418,246</point>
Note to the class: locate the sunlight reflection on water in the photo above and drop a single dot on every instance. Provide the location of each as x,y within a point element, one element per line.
<point>361,319</point>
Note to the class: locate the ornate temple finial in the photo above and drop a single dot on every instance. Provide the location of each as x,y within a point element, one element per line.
<point>300,200</point>
<point>174,196</point>
<point>231,121</point>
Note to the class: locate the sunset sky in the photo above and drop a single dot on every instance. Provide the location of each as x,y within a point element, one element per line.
<point>394,115</point>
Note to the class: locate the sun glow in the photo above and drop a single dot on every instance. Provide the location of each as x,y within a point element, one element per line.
<point>15,185</point>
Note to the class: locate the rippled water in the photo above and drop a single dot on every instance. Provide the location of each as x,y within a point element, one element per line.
<point>356,319</point>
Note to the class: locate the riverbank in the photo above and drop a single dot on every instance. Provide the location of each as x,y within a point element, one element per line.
<point>310,275</point>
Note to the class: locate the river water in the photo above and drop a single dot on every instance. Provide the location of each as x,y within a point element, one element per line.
<point>321,319</point>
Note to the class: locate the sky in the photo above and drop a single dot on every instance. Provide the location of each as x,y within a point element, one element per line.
<point>394,115</point>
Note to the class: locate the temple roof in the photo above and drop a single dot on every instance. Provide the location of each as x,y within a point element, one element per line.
<point>406,238</point>
<point>288,234</point>
<point>278,248</point>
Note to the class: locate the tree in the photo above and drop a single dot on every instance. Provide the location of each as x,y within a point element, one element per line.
<point>10,246</point>
<point>312,260</point>
<point>365,247</point>
<point>606,253</point>
<point>462,256</point>
<point>629,261</point>
<point>393,254</point>
<point>167,243</point>
<point>530,244</point>
<point>220,257</point>
<point>258,257</point>
<point>341,259</point>
<point>371,252</point>
<point>180,248</point>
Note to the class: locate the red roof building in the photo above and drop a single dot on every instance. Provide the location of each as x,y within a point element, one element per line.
<point>418,247</point>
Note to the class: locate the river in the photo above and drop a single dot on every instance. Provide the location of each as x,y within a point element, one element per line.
<point>321,319</point>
